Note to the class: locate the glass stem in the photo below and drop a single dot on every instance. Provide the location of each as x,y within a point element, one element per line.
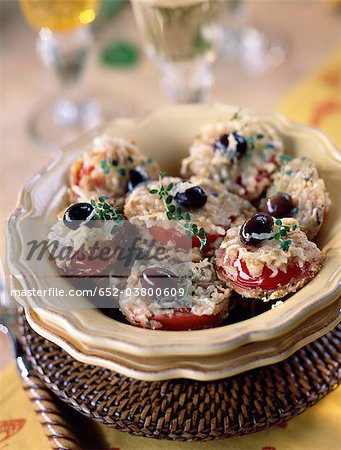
<point>187,81</point>
<point>65,54</point>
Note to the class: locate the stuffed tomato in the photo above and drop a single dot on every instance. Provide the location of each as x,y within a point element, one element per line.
<point>111,168</point>
<point>298,191</point>
<point>170,206</point>
<point>175,296</point>
<point>267,258</point>
<point>84,242</point>
<point>242,153</point>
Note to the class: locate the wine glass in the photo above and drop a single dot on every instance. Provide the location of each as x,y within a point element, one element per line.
<point>63,44</point>
<point>180,37</point>
<point>239,40</point>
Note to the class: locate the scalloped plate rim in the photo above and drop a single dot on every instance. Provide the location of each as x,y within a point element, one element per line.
<point>248,336</point>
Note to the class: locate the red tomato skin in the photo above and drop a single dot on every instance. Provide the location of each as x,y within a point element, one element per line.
<point>185,320</point>
<point>264,281</point>
<point>82,172</point>
<point>164,235</point>
<point>211,238</point>
<point>84,265</point>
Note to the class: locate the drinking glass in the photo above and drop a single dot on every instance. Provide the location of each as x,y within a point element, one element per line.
<point>180,36</point>
<point>239,40</point>
<point>63,44</point>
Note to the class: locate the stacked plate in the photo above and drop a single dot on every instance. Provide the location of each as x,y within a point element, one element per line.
<point>93,338</point>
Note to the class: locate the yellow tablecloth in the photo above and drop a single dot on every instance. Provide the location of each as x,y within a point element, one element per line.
<point>316,101</point>
<point>316,429</point>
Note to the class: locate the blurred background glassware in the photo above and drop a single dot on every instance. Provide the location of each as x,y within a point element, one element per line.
<point>239,40</point>
<point>63,44</point>
<point>180,36</point>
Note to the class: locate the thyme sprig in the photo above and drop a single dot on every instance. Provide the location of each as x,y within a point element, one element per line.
<point>175,212</point>
<point>110,162</point>
<point>284,159</point>
<point>251,144</point>
<point>105,211</point>
<point>107,164</point>
<point>281,232</point>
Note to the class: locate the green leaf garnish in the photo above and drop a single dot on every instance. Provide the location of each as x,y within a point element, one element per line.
<point>104,165</point>
<point>281,233</point>
<point>285,245</point>
<point>250,142</point>
<point>169,199</point>
<point>105,211</point>
<point>284,159</point>
<point>113,162</point>
<point>175,213</point>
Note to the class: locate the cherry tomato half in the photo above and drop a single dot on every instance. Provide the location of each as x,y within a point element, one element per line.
<point>164,235</point>
<point>265,281</point>
<point>85,264</point>
<point>185,320</point>
<point>82,172</point>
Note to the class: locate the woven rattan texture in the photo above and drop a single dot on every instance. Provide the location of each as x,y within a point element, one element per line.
<point>188,410</point>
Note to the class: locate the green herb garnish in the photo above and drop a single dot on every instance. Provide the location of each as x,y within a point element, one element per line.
<point>250,142</point>
<point>281,233</point>
<point>284,159</point>
<point>176,213</point>
<point>149,160</point>
<point>113,162</point>
<point>104,165</point>
<point>105,211</point>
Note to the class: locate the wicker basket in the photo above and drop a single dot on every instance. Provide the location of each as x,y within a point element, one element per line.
<point>188,410</point>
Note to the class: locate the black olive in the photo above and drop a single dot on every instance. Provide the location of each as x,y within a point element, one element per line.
<point>280,205</point>
<point>76,214</point>
<point>256,229</point>
<point>137,176</point>
<point>194,197</point>
<point>158,278</point>
<point>223,143</point>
